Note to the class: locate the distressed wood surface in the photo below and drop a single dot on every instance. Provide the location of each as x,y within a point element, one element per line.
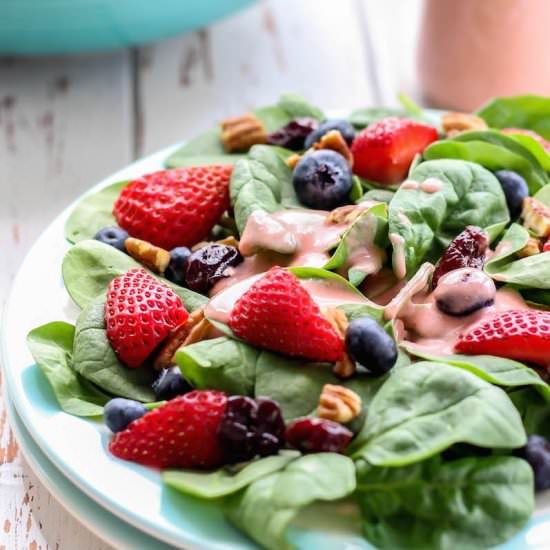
<point>67,122</point>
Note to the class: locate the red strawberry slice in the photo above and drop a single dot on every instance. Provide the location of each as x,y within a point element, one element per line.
<point>529,133</point>
<point>384,151</point>
<point>174,207</point>
<point>180,434</point>
<point>277,313</point>
<point>139,313</point>
<point>523,335</point>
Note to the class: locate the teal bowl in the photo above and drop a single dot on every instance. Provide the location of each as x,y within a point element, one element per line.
<point>69,26</point>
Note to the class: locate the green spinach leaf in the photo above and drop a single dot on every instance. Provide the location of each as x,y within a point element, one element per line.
<point>95,360</point>
<point>466,503</point>
<point>427,222</point>
<point>533,409</point>
<point>265,508</point>
<point>89,267</point>
<point>295,106</point>
<point>51,346</point>
<point>93,212</point>
<point>422,410</point>
<point>535,148</point>
<point>524,111</point>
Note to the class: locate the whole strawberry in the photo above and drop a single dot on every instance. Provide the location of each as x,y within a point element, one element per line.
<point>523,335</point>
<point>176,207</point>
<point>139,313</point>
<point>180,434</point>
<point>277,313</point>
<point>384,151</point>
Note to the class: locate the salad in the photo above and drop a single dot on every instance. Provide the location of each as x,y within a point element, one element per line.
<point>303,309</point>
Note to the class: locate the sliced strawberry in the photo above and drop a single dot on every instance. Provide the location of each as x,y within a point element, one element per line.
<point>529,133</point>
<point>140,312</point>
<point>384,151</point>
<point>523,335</point>
<point>546,247</point>
<point>277,313</point>
<point>180,434</point>
<point>174,207</point>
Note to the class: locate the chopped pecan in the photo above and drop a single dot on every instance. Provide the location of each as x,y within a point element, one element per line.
<point>536,217</point>
<point>348,213</point>
<point>293,160</point>
<point>228,241</point>
<point>151,256</point>
<point>454,123</point>
<point>242,132</point>
<point>345,367</point>
<point>332,140</point>
<point>533,246</point>
<point>339,404</point>
<point>193,330</point>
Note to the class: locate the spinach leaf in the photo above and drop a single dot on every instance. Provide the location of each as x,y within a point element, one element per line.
<point>295,106</point>
<point>380,195</point>
<point>361,248</point>
<point>533,409</point>
<point>265,508</point>
<point>422,410</point>
<point>93,212</point>
<point>180,159</point>
<point>543,195</point>
<point>470,195</point>
<point>89,267</point>
<point>535,148</point>
<point>95,360</point>
<point>262,181</point>
<point>51,346</point>
<point>496,370</point>
<point>467,503</point>
<point>525,111</point>
<point>225,481</point>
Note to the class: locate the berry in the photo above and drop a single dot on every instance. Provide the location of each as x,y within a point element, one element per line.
<point>323,180</point>
<point>207,265</point>
<point>515,190</point>
<point>139,313</point>
<point>465,250</point>
<point>546,247</point>
<point>277,313</point>
<point>384,151</point>
<point>119,412</point>
<point>343,126</point>
<point>180,434</point>
<point>315,435</point>
<point>293,135</point>
<point>370,345</point>
<point>175,271</point>
<point>169,384</point>
<point>250,427</point>
<point>523,335</point>
<point>463,291</point>
<point>537,453</point>
<point>529,133</point>
<point>176,207</point>
<point>113,236</point>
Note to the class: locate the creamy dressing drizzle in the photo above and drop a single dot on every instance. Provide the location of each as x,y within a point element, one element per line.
<point>399,262</point>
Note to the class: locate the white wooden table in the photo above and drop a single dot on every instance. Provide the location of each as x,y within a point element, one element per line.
<point>67,122</point>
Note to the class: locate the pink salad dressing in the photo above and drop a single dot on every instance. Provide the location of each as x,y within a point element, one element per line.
<point>399,262</point>
<point>431,185</point>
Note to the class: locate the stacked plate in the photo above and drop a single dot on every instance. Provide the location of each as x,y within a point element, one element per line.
<point>123,503</point>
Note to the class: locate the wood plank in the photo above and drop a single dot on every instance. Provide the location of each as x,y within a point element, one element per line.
<point>313,47</point>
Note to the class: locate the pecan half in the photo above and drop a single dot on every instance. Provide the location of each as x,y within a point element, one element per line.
<point>339,404</point>
<point>536,217</point>
<point>454,123</point>
<point>533,246</point>
<point>242,132</point>
<point>345,367</point>
<point>151,256</point>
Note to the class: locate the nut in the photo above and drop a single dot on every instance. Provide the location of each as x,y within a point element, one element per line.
<point>339,404</point>
<point>293,160</point>
<point>228,241</point>
<point>532,247</point>
<point>332,140</point>
<point>349,213</point>
<point>454,123</point>
<point>151,256</point>
<point>536,217</point>
<point>242,132</point>
<point>193,330</point>
<point>345,367</point>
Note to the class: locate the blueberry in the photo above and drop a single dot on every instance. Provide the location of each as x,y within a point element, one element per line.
<point>537,453</point>
<point>343,126</point>
<point>169,384</point>
<point>113,236</point>
<point>175,271</point>
<point>119,412</point>
<point>206,266</point>
<point>323,180</point>
<point>370,345</point>
<point>515,190</point>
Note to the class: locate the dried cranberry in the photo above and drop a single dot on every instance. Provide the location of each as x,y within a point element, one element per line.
<point>315,435</point>
<point>293,135</point>
<point>249,428</point>
<point>465,250</point>
<point>209,264</point>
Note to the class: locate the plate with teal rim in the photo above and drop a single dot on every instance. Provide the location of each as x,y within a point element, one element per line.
<point>135,494</point>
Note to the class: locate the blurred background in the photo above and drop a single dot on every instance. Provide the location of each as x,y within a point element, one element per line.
<point>67,121</point>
